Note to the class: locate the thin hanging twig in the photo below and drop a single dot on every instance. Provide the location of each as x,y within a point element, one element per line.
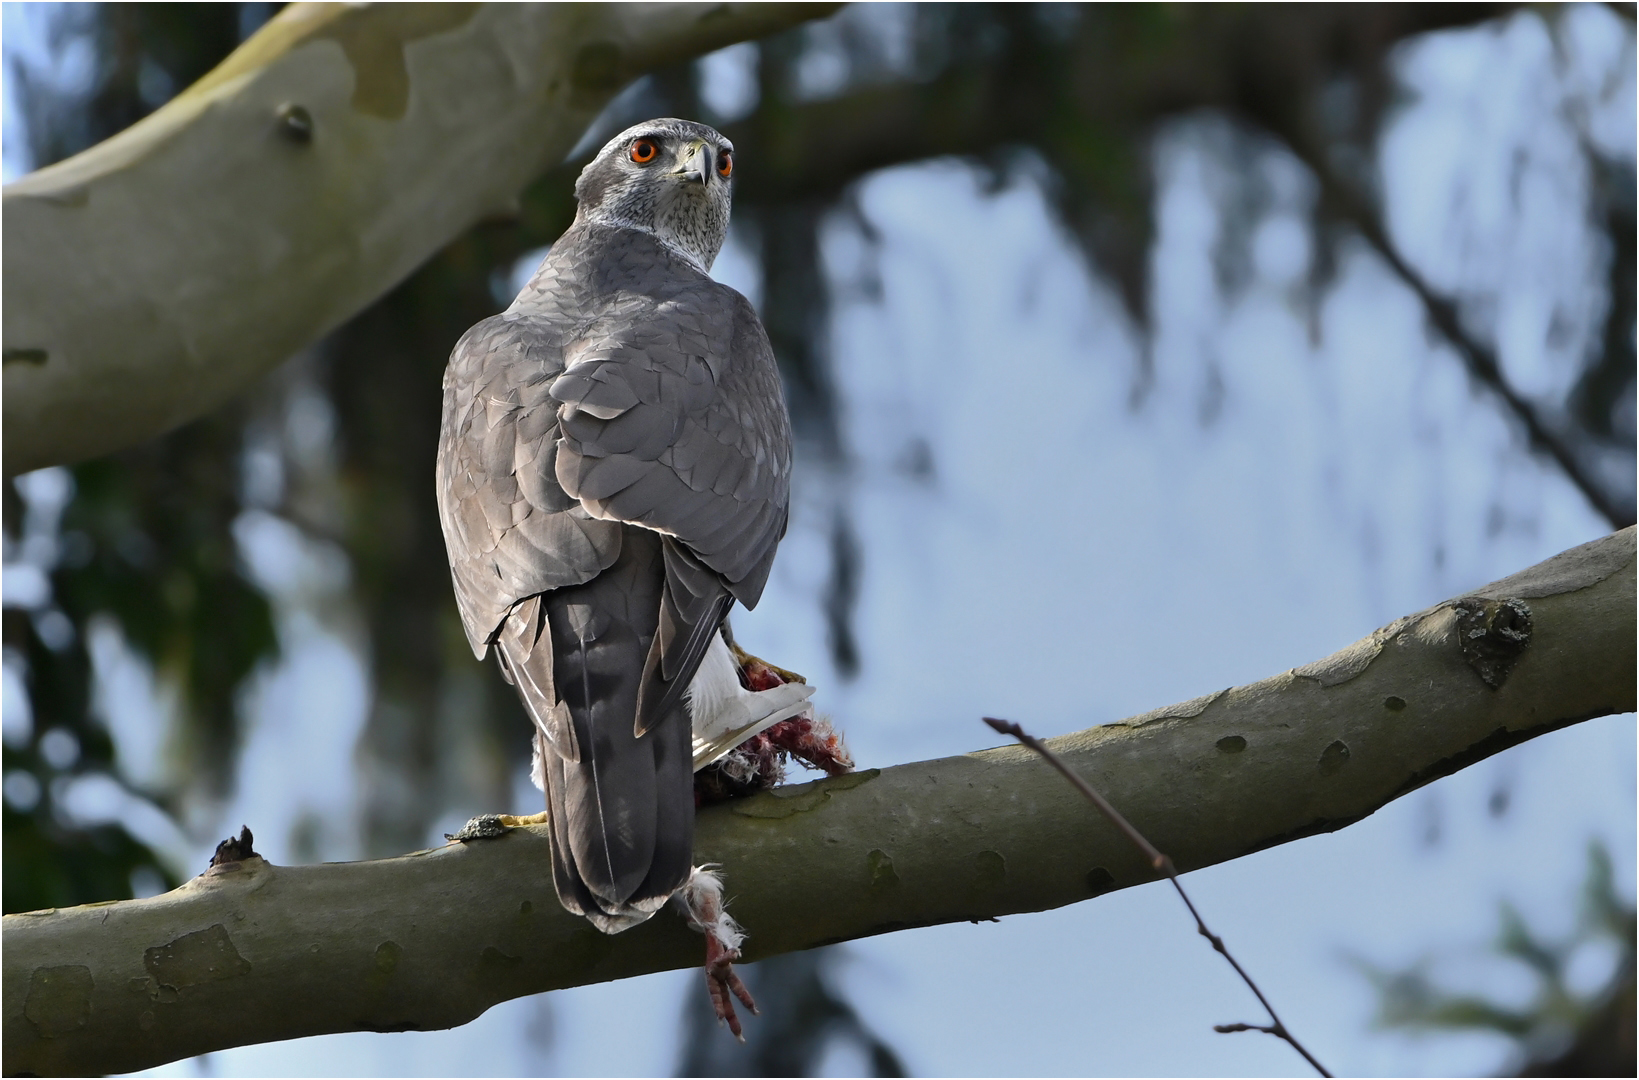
<point>1162,865</point>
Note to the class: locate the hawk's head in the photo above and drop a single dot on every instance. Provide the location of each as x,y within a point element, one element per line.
<point>669,177</point>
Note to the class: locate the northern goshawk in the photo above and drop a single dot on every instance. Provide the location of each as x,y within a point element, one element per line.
<point>614,471</point>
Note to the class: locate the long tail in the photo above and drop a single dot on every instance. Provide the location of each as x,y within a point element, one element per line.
<point>621,804</point>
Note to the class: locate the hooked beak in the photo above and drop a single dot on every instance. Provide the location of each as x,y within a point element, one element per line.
<point>697,166</point>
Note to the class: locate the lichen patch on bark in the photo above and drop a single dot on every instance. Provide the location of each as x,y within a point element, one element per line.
<point>59,999</point>
<point>800,798</point>
<point>203,956</point>
<point>879,864</point>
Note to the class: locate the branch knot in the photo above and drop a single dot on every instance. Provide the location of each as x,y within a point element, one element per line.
<point>1493,634</point>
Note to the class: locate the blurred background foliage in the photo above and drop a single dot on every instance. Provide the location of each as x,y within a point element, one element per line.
<point>142,554</point>
<point>1569,1023</point>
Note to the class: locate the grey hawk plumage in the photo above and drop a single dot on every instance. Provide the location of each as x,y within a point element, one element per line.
<point>614,471</point>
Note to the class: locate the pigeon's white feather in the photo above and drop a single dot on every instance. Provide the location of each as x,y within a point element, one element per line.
<point>726,714</point>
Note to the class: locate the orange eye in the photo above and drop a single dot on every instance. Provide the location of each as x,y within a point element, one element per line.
<point>725,164</point>
<point>644,151</point>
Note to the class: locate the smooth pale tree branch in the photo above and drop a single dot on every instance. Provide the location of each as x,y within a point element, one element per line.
<point>251,952</point>
<point>150,277</point>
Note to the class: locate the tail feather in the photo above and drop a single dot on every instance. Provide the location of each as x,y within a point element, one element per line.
<point>621,804</point>
<point>531,673</point>
<point>572,891</point>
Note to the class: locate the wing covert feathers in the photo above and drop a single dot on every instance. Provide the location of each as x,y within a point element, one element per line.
<point>671,416</point>
<point>510,529</point>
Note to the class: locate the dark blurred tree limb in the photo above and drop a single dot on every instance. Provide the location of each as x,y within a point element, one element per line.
<point>150,277</point>
<point>251,952</point>
<point>1130,69</point>
<point>1346,201</point>
<point>1277,88</point>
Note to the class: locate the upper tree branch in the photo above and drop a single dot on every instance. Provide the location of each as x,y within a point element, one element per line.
<point>253,952</point>
<point>1268,78</point>
<point>1130,69</point>
<point>151,276</point>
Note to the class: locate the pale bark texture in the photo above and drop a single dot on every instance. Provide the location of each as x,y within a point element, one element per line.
<point>150,277</point>
<point>251,952</point>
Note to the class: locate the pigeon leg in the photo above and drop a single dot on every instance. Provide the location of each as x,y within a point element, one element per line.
<point>487,826</point>
<point>701,899</point>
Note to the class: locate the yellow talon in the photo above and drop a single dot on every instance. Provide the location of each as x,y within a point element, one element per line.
<point>513,821</point>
